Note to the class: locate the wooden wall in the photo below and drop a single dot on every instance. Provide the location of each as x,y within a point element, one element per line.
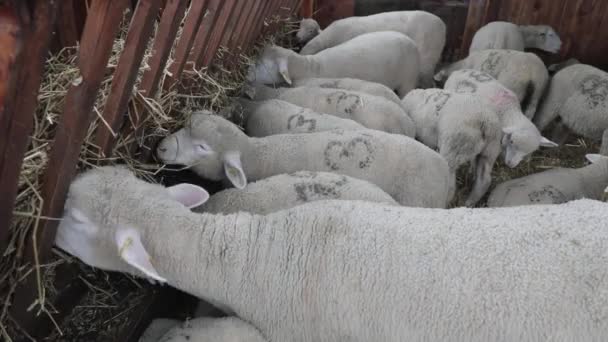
<point>582,24</point>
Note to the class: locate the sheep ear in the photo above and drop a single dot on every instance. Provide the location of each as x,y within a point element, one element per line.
<point>189,195</point>
<point>544,142</point>
<point>284,70</point>
<point>132,251</point>
<point>234,169</point>
<point>594,158</point>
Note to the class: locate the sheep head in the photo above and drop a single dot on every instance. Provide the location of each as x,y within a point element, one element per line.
<point>542,37</point>
<point>517,144</point>
<point>100,226</point>
<point>210,145</point>
<point>309,28</point>
<point>271,67</point>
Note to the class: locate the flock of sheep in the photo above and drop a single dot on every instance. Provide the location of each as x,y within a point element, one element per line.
<point>337,228</point>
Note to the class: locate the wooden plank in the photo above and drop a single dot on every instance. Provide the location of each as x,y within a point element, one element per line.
<point>204,32</point>
<point>307,9</point>
<point>67,28</point>
<point>182,50</point>
<point>101,28</point>
<point>139,34</point>
<point>231,26</point>
<point>248,22</point>
<point>246,41</point>
<point>171,18</point>
<point>480,13</point>
<point>259,28</point>
<point>218,32</point>
<point>245,13</point>
<point>16,118</point>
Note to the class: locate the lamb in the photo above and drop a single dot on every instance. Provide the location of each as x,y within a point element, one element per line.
<point>309,28</point>
<point>578,95</point>
<point>427,30</point>
<point>508,36</point>
<point>523,73</point>
<point>388,58</point>
<point>520,136</point>
<point>264,118</point>
<point>328,270</point>
<point>203,329</point>
<point>288,190</point>
<point>215,148</point>
<point>371,88</point>
<point>464,130</point>
<point>370,111</point>
<point>554,186</point>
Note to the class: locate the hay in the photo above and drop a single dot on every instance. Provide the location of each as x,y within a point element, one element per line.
<point>110,297</point>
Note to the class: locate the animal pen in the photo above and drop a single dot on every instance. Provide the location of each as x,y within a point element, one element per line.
<point>97,82</point>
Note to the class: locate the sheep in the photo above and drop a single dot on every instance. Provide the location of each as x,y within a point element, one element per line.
<point>264,118</point>
<point>288,190</point>
<point>309,28</point>
<point>202,329</point>
<point>353,84</point>
<point>520,136</point>
<point>604,147</point>
<point>354,270</point>
<point>388,58</point>
<point>370,111</point>
<point>554,186</point>
<point>508,36</point>
<point>427,30</point>
<point>523,73</point>
<point>464,130</point>
<point>554,68</point>
<point>214,148</point>
<point>578,95</point>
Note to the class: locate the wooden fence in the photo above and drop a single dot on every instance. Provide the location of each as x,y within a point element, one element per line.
<point>26,37</point>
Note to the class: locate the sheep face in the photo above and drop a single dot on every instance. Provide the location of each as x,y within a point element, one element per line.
<point>517,145</point>
<point>270,67</point>
<point>97,225</point>
<point>309,28</point>
<point>543,37</point>
<point>210,145</point>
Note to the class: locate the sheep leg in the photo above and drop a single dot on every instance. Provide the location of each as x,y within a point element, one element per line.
<point>560,133</point>
<point>604,148</point>
<point>483,179</point>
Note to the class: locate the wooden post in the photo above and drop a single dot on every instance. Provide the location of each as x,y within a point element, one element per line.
<point>101,28</point>
<point>307,8</point>
<point>16,116</point>
<point>139,34</point>
<point>480,13</point>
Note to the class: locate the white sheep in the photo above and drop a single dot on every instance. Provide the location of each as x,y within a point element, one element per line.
<point>427,30</point>
<point>264,118</point>
<point>388,58</point>
<point>370,111</point>
<point>357,271</point>
<point>578,95</point>
<point>520,136</point>
<point>508,36</point>
<point>309,28</point>
<point>288,190</point>
<point>523,73</point>
<point>462,128</point>
<point>371,88</point>
<point>554,186</point>
<point>215,149</point>
<point>202,329</point>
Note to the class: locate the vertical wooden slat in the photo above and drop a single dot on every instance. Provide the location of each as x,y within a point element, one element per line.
<point>255,12</point>
<point>244,14</point>
<point>249,36</point>
<point>480,13</point>
<point>182,50</point>
<point>204,32</point>
<point>231,26</point>
<point>173,13</point>
<point>249,17</point>
<point>98,36</point>
<point>307,9</point>
<point>139,34</point>
<point>218,32</point>
<point>67,28</point>
<point>266,13</point>
<point>16,118</point>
